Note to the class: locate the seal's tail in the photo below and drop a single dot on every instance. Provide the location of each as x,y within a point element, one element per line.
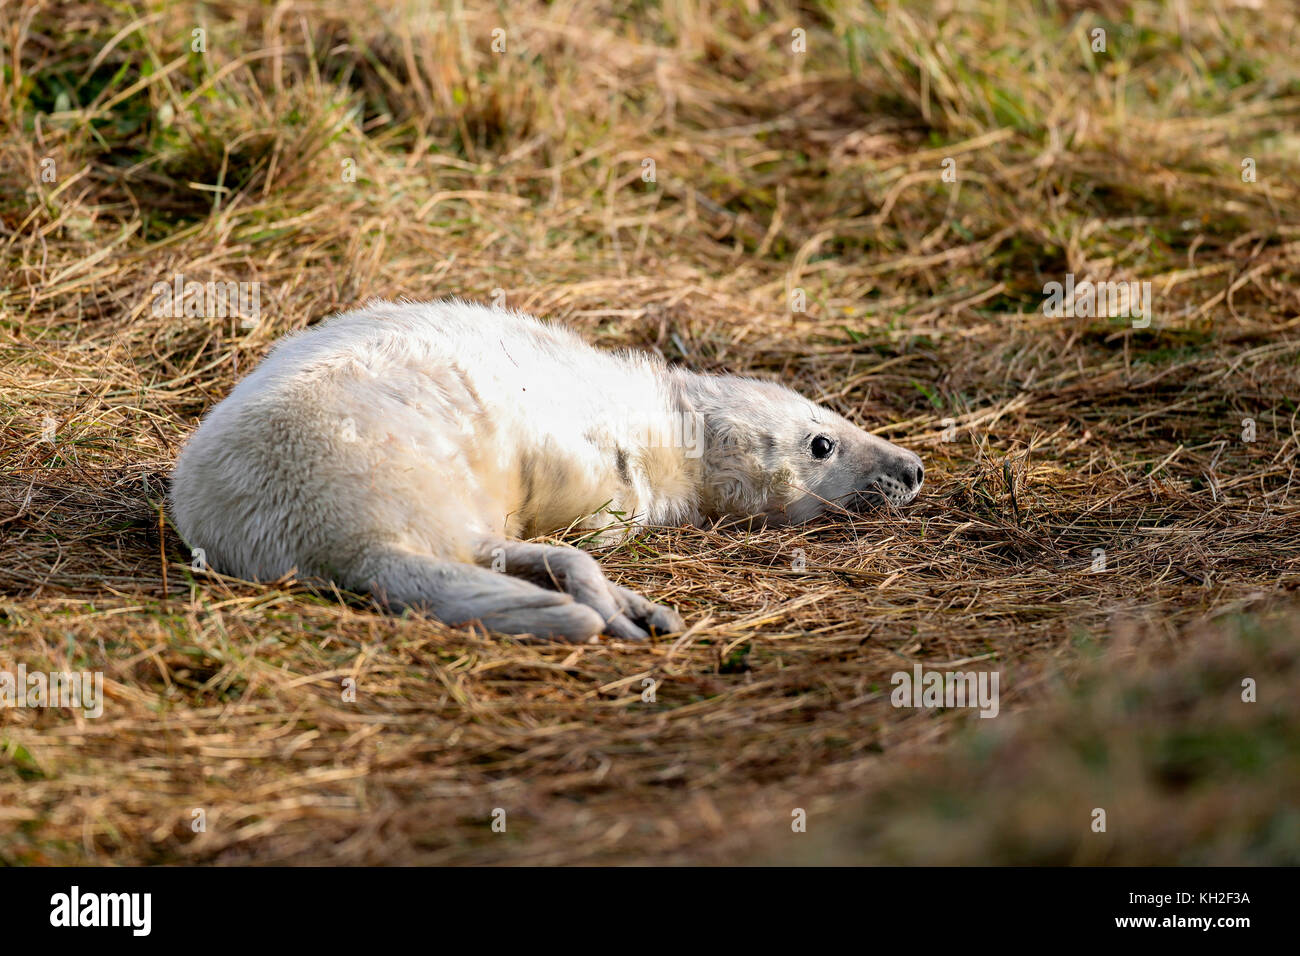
<point>457,593</point>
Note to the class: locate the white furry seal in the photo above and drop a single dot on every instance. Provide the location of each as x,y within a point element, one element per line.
<point>402,449</point>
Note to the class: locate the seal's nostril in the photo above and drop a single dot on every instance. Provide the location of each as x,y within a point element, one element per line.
<point>920,475</point>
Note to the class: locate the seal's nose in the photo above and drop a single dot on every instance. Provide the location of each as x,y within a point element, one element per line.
<point>909,473</point>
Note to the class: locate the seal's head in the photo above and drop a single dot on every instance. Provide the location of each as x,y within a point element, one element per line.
<point>770,452</point>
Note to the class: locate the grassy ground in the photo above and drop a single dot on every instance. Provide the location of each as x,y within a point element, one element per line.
<point>676,176</point>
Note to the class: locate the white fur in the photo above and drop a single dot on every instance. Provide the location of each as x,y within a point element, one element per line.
<point>402,449</point>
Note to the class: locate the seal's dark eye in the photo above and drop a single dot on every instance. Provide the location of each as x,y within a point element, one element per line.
<point>822,447</point>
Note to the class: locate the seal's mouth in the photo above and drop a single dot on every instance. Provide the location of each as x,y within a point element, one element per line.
<point>882,491</point>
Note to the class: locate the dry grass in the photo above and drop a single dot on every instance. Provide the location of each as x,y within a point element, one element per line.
<point>1156,736</point>
<point>775,171</point>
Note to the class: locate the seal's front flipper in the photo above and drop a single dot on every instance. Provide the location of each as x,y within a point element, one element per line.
<point>458,593</point>
<point>625,613</point>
